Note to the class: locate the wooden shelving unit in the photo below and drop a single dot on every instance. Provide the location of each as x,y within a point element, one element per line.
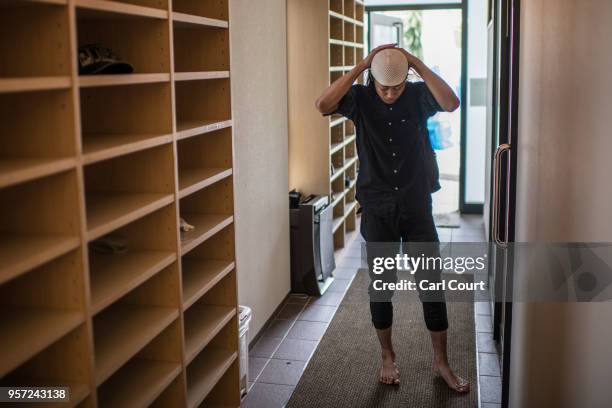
<point>325,40</point>
<point>118,159</point>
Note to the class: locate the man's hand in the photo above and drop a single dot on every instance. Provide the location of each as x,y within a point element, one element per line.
<point>328,101</point>
<point>367,61</point>
<point>441,91</point>
<point>412,60</point>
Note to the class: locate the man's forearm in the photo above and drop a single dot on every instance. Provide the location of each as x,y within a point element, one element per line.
<point>443,93</point>
<point>331,97</point>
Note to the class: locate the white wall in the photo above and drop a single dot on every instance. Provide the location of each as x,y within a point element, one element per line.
<point>561,353</point>
<point>259,103</point>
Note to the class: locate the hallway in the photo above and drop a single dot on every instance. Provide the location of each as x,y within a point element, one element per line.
<point>280,356</point>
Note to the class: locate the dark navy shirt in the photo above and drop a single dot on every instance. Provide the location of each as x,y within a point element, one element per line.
<point>391,168</point>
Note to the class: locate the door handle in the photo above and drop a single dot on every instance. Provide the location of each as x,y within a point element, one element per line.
<point>501,149</point>
<point>399,27</point>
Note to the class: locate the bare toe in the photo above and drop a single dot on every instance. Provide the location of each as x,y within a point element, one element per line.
<point>389,372</point>
<point>453,381</point>
<point>462,385</point>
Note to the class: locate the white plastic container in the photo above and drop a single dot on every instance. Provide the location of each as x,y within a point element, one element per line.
<point>244,318</point>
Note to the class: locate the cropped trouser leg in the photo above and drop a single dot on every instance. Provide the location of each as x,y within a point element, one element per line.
<point>383,235</point>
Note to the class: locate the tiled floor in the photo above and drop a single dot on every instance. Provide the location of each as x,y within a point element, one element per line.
<point>278,359</point>
<point>488,368</point>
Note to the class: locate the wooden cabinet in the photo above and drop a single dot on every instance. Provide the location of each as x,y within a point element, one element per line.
<point>118,159</point>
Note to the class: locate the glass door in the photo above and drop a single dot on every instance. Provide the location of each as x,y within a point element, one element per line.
<point>436,36</point>
<point>385,29</point>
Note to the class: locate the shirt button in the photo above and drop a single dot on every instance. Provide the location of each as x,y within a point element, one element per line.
<point>391,108</point>
<point>389,123</point>
<point>395,171</point>
<point>396,188</point>
<point>390,139</point>
<point>393,154</point>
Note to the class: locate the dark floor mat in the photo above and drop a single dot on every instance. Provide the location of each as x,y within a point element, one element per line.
<point>344,370</point>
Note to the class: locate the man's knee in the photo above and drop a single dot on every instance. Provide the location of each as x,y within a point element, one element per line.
<point>382,314</point>
<point>435,315</point>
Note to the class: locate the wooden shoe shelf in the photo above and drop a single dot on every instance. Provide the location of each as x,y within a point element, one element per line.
<point>88,158</point>
<point>325,40</point>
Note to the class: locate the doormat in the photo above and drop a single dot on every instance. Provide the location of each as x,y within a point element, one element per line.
<point>343,371</point>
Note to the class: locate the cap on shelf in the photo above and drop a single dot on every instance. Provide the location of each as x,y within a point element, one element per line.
<point>96,59</point>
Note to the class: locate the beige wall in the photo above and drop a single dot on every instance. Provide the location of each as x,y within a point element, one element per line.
<point>561,353</point>
<point>259,102</point>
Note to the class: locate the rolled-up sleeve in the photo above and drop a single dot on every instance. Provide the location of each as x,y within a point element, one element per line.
<point>429,105</point>
<point>347,106</point>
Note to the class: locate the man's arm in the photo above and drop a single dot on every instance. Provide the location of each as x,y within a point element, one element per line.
<point>329,100</point>
<point>443,93</point>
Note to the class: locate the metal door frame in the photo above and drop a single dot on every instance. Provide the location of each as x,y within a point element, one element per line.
<point>506,20</point>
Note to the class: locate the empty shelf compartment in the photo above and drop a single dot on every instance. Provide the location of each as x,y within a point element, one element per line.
<point>28,52</point>
<point>213,107</point>
<point>204,160</point>
<point>201,48</point>
<point>123,189</point>
<point>31,234</point>
<point>211,9</point>
<point>123,330</point>
<point>35,142</point>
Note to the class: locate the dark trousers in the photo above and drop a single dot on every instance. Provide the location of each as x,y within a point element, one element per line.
<point>389,228</point>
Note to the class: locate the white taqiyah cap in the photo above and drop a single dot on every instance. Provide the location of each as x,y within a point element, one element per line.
<point>390,67</point>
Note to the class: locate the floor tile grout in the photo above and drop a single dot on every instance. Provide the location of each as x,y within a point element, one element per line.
<point>279,343</point>
<point>480,375</point>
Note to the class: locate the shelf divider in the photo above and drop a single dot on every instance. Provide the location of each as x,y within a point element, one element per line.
<point>89,81</point>
<point>192,180</point>
<point>15,171</point>
<point>11,85</point>
<point>102,147</point>
<point>191,128</point>
<point>193,76</point>
<point>122,8</point>
<point>190,19</point>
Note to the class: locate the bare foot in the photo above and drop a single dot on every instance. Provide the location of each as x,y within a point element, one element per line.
<point>455,382</point>
<point>396,368</point>
<point>394,363</point>
<point>389,373</point>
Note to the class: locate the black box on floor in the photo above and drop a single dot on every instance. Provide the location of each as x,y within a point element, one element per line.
<point>312,246</point>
